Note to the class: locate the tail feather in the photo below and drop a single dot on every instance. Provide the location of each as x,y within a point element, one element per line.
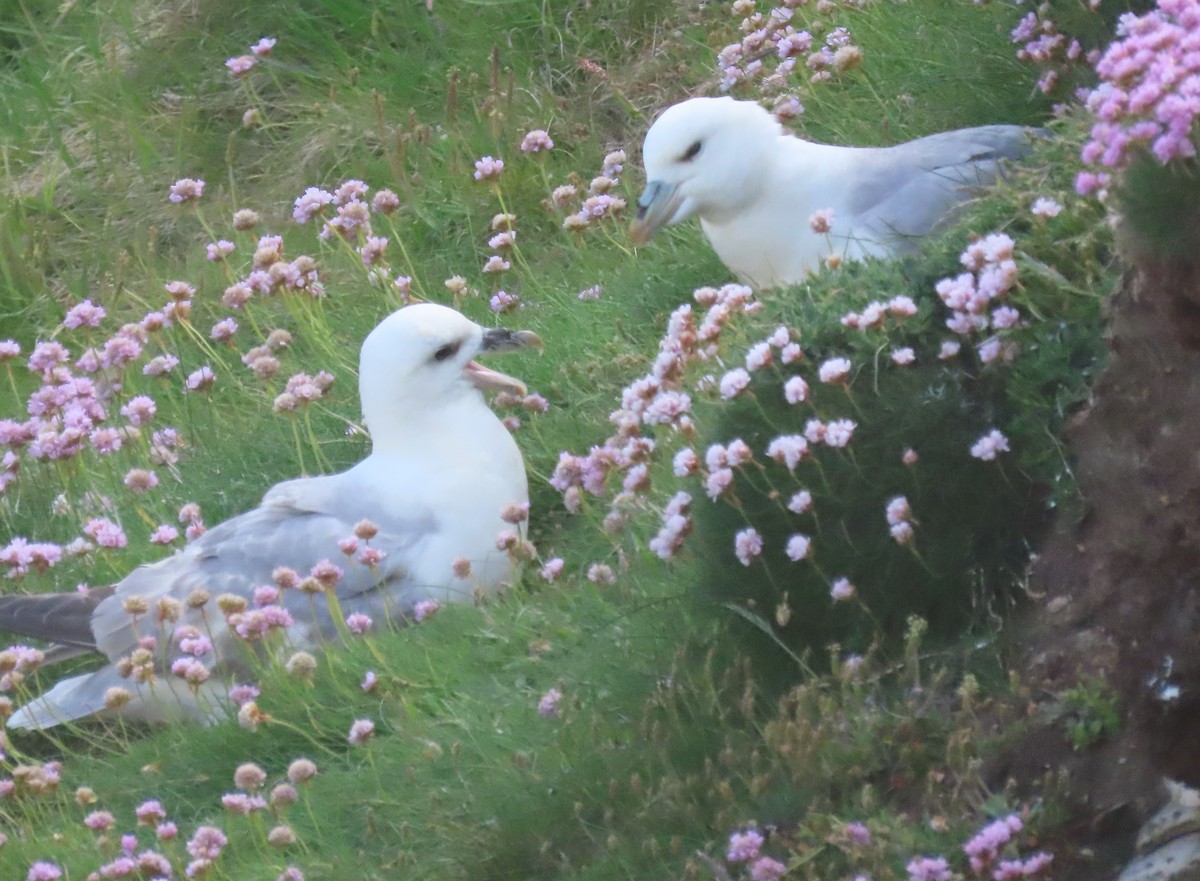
<point>61,618</point>
<point>166,699</point>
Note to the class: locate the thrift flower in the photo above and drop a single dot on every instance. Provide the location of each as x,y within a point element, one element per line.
<point>744,846</point>
<point>186,190</point>
<point>747,545</point>
<point>240,65</point>
<point>1044,208</point>
<point>989,446</point>
<point>548,706</point>
<point>536,141</point>
<point>361,731</point>
<point>263,47</point>
<point>488,169</point>
<point>842,590</point>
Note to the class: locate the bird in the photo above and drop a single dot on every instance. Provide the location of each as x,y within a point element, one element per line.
<point>756,187</point>
<point>441,471</point>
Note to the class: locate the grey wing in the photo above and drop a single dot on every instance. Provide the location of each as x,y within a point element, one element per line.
<point>296,529</point>
<point>910,189</point>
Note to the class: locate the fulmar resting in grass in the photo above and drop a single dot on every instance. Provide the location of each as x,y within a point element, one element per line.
<point>759,191</point>
<point>441,469</point>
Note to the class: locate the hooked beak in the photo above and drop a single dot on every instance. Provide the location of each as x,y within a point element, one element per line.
<point>656,207</point>
<point>500,339</point>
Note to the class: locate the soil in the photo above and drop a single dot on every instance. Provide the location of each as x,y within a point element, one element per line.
<point>1119,591</point>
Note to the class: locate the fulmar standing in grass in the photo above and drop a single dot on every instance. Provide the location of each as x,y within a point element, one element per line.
<point>426,506</point>
<point>774,206</point>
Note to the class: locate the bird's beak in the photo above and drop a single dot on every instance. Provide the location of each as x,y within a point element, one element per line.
<point>656,207</point>
<point>500,339</point>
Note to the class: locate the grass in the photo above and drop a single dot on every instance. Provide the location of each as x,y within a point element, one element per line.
<point>680,722</point>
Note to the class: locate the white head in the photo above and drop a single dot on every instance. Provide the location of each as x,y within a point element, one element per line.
<point>420,359</point>
<point>703,156</point>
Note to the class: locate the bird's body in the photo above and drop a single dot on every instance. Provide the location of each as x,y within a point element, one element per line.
<point>441,470</point>
<point>755,187</point>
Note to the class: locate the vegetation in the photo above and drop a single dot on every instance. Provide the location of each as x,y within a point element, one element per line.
<point>622,717</point>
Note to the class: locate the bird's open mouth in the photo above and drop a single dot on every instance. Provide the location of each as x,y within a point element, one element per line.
<point>656,206</point>
<point>500,339</point>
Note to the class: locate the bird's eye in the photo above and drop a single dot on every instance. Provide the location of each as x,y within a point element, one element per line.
<point>447,351</point>
<point>692,152</point>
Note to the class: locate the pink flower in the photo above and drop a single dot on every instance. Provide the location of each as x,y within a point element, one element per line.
<point>799,547</point>
<point>839,432</point>
<point>85,313</point>
<point>502,302</point>
<point>788,450</point>
<point>600,573</point>
<point>41,871</point>
<point>358,623</point>
<point>759,356</point>
<point>800,502</point>
<point>898,510</point>
<point>989,446</point>
<point>835,370</point>
<point>928,869</point>
<point>903,357</point>
<point>767,869</point>
<point>1044,208</point>
<point>369,682</point>
<point>821,221</point>
<point>841,590</point>
<point>423,609</point>
<point>734,383</point>
<point>186,190</point>
<point>747,545</point>
<point>240,65</point>
<point>548,706</point>
<point>263,47</point>
<point>552,569</point>
<point>105,533</point>
<point>795,390</point>
<point>488,169</point>
<point>361,731</point>
<point>902,532</point>
<point>744,846</point>
<point>217,250</point>
<point>201,379</point>
<point>536,141</point>
<point>858,834</point>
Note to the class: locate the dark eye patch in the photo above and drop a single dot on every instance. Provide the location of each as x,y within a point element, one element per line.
<point>692,152</point>
<point>447,351</point>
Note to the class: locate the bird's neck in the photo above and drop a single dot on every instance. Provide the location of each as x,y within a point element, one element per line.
<point>409,430</point>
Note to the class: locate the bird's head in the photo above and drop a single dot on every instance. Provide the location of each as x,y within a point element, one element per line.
<point>703,156</point>
<point>423,356</point>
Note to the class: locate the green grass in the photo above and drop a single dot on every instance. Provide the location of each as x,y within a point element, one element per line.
<point>680,722</point>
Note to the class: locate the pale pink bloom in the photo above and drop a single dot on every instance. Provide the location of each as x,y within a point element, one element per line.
<point>717,482</point>
<point>85,313</point>
<point>989,446</point>
<point>425,609</point>
<point>929,869</point>
<point>536,141</point>
<point>901,307</point>
<point>240,65</point>
<point>358,623</point>
<point>898,510</point>
<point>747,545</point>
<point>799,547</point>
<point>223,330</point>
<point>949,349</point>
<point>502,302</point>
<point>800,502</point>
<point>140,480</point>
<point>839,432</point>
<point>488,169</point>
<point>1044,207</point>
<point>795,390</point>
<point>263,47</point>
<point>186,190</point>
<point>903,356</point>
<point>361,731</point>
<point>791,353</point>
<point>369,681</point>
<point>685,463</point>
<point>552,569</point>
<point>600,573</point>
<point>313,200</point>
<point>42,871</point>
<point>201,379</point>
<point>909,457</point>
<point>496,264</point>
<point>734,383</point>
<point>835,370</point>
<point>744,846</point>
<point>767,869</point>
<point>217,250</point>
<point>548,706</point>
<point>788,450</point>
<point>758,357</point>
<point>841,590</point>
<point>902,532</point>
<point>738,453</point>
<point>592,293</point>
<point>821,221</point>
<point>1004,317</point>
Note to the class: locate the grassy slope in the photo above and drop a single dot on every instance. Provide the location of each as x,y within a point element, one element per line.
<point>106,104</point>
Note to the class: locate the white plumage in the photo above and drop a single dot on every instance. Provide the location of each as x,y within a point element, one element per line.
<point>441,469</point>
<point>755,186</point>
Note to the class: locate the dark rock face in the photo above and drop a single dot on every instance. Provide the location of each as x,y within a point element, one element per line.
<point>1122,586</point>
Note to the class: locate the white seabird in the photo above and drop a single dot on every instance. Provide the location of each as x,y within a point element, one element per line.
<point>755,187</point>
<point>441,469</point>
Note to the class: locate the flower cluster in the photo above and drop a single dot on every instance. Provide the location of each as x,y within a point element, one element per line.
<point>1148,98</point>
<point>976,298</point>
<point>771,49</point>
<point>1042,44</point>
